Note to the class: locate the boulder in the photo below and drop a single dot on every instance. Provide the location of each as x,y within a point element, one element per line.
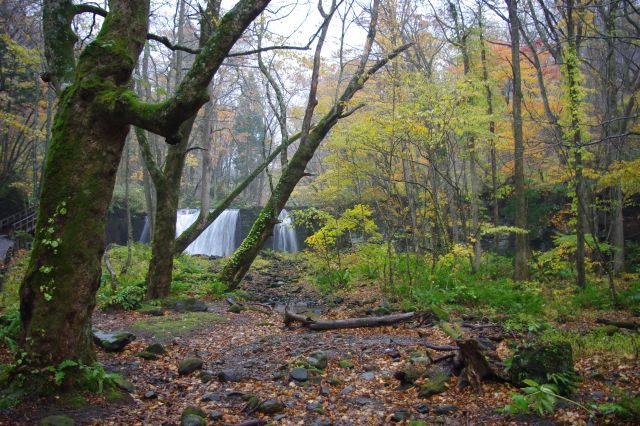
<point>189,365</point>
<point>318,360</point>
<point>156,348</point>
<point>189,305</point>
<point>270,406</point>
<point>113,342</point>
<point>435,384</point>
<point>231,375</point>
<point>299,374</point>
<point>193,416</point>
<point>147,355</point>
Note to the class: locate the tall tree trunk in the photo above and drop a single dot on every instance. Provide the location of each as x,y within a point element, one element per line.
<point>521,262</point>
<point>127,201</point>
<point>57,296</point>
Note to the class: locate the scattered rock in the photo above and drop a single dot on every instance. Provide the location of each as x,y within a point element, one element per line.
<point>155,311</point>
<point>435,385</point>
<point>123,384</point>
<point>189,365</point>
<point>216,416</point>
<point>408,375</point>
<point>189,305</point>
<point>422,408</point>
<point>318,360</point>
<point>315,407</point>
<point>150,395</point>
<point>193,416</point>
<point>345,364</point>
<point>231,375</point>
<point>206,376</point>
<point>300,374</point>
<point>445,409</point>
<point>156,348</point>
<point>279,417</point>
<point>367,376</point>
<point>324,390</point>
<point>57,421</point>
<point>334,381</point>
<point>270,406</point>
<point>235,309</point>
<point>210,397</point>
<point>113,342</point>
<point>148,356</point>
<point>400,416</point>
<point>347,390</point>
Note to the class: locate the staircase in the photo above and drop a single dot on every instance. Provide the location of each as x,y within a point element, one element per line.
<point>17,227</point>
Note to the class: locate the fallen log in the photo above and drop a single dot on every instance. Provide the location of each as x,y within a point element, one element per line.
<point>620,324</point>
<point>320,324</point>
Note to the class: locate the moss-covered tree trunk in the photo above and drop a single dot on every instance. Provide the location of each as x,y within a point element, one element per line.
<point>160,270</point>
<point>57,296</point>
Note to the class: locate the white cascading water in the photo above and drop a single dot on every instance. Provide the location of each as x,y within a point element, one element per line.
<point>284,234</point>
<point>219,239</point>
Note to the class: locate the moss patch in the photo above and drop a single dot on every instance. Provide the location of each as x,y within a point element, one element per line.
<point>164,328</point>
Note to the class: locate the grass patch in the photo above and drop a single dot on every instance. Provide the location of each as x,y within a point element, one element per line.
<point>164,328</point>
<point>598,341</point>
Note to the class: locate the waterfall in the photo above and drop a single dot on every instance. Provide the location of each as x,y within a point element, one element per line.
<point>219,239</point>
<point>145,235</point>
<point>284,234</point>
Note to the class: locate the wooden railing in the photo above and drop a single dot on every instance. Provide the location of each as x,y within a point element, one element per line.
<point>16,217</point>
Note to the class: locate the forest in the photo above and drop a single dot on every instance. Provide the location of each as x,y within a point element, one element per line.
<point>319,212</point>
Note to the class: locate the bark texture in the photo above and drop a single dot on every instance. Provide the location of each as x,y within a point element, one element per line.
<point>57,296</point>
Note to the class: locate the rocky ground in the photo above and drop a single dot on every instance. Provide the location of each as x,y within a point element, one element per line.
<point>247,366</point>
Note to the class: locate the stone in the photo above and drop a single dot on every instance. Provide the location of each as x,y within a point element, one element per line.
<point>235,309</point>
<point>210,397</point>
<point>148,356</point>
<point>57,421</point>
<point>123,384</point>
<point>367,376</point>
<point>150,395</point>
<point>216,416</point>
<point>156,348</point>
<point>435,385</point>
<point>333,381</point>
<point>537,361</point>
<point>192,420</point>
<point>231,375</point>
<point>315,407</point>
<point>408,375</point>
<point>347,390</point>
<point>324,390</point>
<point>300,374</point>
<point>279,417</point>
<point>189,365</point>
<point>445,409</point>
<point>189,305</point>
<point>346,364</point>
<point>113,342</point>
<point>206,376</point>
<point>400,416</point>
<point>422,408</point>
<point>154,311</point>
<point>318,360</point>
<point>193,416</point>
<point>270,406</point>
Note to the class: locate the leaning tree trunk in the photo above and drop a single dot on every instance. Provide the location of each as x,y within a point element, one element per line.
<point>240,262</point>
<point>57,296</point>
